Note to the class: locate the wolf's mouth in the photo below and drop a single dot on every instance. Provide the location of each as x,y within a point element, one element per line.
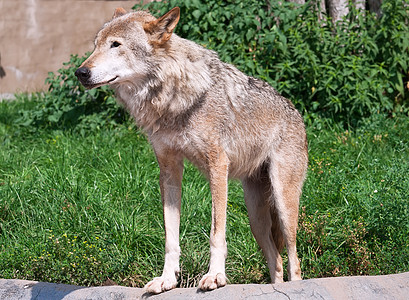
<point>112,80</point>
<point>94,85</point>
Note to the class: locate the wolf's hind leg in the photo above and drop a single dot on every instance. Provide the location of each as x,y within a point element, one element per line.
<point>257,194</point>
<point>287,179</point>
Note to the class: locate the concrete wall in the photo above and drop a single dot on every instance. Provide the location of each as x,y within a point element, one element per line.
<point>37,36</point>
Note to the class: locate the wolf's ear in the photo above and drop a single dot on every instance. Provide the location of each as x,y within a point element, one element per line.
<point>161,29</point>
<point>119,11</point>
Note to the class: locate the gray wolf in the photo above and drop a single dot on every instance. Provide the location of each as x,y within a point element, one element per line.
<point>192,105</point>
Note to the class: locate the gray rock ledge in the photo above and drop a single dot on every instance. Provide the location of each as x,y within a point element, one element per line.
<point>355,287</point>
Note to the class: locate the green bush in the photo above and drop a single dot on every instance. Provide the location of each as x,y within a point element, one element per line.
<point>68,105</point>
<point>345,71</point>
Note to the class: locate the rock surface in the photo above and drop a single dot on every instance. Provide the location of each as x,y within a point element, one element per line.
<point>359,287</point>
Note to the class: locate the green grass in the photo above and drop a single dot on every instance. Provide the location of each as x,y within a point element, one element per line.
<point>81,208</point>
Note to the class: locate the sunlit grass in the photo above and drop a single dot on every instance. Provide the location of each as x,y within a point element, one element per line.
<point>83,208</point>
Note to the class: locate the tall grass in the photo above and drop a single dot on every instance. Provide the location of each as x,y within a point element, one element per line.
<point>80,208</point>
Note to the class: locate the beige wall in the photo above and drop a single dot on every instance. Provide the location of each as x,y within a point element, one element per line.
<point>37,36</point>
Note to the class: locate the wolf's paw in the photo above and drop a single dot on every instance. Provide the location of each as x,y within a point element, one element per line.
<point>160,284</point>
<point>212,281</point>
<point>295,277</point>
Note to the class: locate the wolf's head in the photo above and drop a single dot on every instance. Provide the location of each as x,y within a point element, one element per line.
<point>124,45</point>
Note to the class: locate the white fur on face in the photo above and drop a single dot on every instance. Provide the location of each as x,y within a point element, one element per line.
<point>126,61</point>
<point>114,66</point>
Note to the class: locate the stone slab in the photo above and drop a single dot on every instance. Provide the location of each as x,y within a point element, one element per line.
<point>394,286</point>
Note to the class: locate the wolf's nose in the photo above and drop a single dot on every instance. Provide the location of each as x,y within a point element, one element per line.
<point>83,73</point>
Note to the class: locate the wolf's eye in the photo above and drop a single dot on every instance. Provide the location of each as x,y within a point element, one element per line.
<point>115,44</point>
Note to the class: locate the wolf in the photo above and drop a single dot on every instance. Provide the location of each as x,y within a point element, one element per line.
<point>193,106</point>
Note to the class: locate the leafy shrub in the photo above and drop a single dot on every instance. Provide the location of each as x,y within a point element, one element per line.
<point>345,71</point>
<point>67,104</point>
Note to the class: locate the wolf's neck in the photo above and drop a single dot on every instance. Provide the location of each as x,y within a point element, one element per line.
<point>177,83</point>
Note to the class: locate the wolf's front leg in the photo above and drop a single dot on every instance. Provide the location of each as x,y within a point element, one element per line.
<point>218,175</point>
<point>171,172</point>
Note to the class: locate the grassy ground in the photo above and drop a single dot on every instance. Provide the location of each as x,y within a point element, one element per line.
<point>83,208</point>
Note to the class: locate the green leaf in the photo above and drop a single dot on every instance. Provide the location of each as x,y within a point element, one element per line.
<point>197,13</point>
